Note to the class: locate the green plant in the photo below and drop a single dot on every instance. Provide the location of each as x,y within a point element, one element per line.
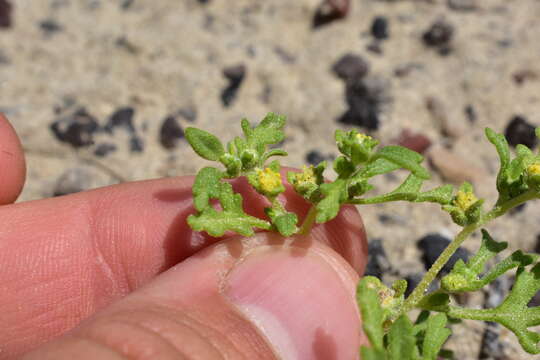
<point>385,310</point>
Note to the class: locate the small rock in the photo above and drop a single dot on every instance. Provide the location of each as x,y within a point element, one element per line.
<point>452,167</point>
<point>379,28</point>
<point>136,144</point>
<point>314,157</point>
<point>439,114</point>
<point>404,70</point>
<point>517,209</point>
<point>414,141</point>
<point>5,14</point>
<point>491,347</point>
<point>284,55</point>
<point>50,26</point>
<point>72,181</point>
<point>462,5</point>
<point>412,282</point>
<point>520,131</point>
<point>188,113</point>
<point>432,245</point>
<point>439,34</point>
<point>521,76</point>
<point>121,118</point>
<point>170,133</point>
<point>104,149</point>
<point>375,47</point>
<point>124,43</point>
<point>365,98</point>
<point>537,245</point>
<point>350,67</point>
<point>235,74</point>
<point>470,113</point>
<point>204,1</point>
<point>329,11</point>
<point>391,219</point>
<point>378,262</point>
<point>77,130</point>
<point>126,4</point>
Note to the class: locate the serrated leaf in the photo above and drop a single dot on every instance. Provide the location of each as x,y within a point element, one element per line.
<point>436,301</point>
<point>441,195</point>
<point>435,336</point>
<point>335,194</point>
<point>231,218</point>
<point>268,132</point>
<point>273,152</point>
<point>401,341</point>
<point>405,158</point>
<point>408,191</point>
<point>206,187</point>
<point>204,144</point>
<point>371,311</point>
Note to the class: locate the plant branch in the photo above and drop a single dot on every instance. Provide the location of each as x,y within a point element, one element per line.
<point>308,222</point>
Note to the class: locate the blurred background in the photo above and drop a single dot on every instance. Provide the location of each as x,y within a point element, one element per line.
<point>100,92</point>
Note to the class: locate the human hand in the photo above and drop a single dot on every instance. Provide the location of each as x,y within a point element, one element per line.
<point>118,273</point>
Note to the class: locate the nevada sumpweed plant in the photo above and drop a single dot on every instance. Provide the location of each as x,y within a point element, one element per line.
<point>385,310</point>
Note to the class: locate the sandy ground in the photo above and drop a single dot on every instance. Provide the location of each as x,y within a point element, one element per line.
<point>165,59</point>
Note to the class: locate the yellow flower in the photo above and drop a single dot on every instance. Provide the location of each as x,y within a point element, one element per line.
<point>363,137</point>
<point>464,200</point>
<point>534,169</point>
<point>269,180</point>
<point>307,175</point>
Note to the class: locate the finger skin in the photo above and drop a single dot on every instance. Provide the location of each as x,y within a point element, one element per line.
<point>65,258</point>
<point>12,163</point>
<point>175,317</point>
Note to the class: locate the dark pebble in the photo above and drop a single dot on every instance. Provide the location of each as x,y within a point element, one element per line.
<point>432,245</point>
<point>104,149</point>
<point>520,131</point>
<point>491,347</point>
<point>50,26</point>
<point>314,157</point>
<point>470,113</point>
<point>136,144</point>
<point>284,55</point>
<point>121,118</point>
<point>77,130</point>
<point>171,133</point>
<point>375,47</point>
<point>537,244</point>
<point>461,5</point>
<point>521,76</point>
<point>5,14</point>
<point>235,74</point>
<point>517,209</point>
<point>188,113</point>
<point>439,34</point>
<point>350,67</point>
<point>72,181</point>
<point>365,99</point>
<point>126,4</point>
<point>412,282</point>
<point>378,263</point>
<point>124,43</point>
<point>379,28</point>
<point>204,1</point>
<point>330,11</point>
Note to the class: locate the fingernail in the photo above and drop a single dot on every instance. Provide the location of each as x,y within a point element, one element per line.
<point>302,303</point>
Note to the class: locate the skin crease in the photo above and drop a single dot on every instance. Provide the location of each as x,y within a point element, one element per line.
<point>75,258</point>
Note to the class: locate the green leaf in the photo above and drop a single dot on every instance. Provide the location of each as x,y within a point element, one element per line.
<point>436,335</point>
<point>401,341</point>
<point>204,144</point>
<point>372,313</point>
<point>343,167</point>
<point>307,182</point>
<point>335,194</point>
<point>231,218</point>
<point>206,187</point>
<point>436,301</point>
<point>466,277</point>
<point>367,353</point>
<point>441,195</point>
<point>268,132</point>
<point>285,222</point>
<point>273,152</point>
<point>501,145</point>
<point>405,158</point>
<point>514,312</point>
<point>378,167</point>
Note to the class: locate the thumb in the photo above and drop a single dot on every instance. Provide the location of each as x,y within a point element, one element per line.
<point>263,297</point>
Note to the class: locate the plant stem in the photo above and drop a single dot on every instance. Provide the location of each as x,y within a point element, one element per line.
<point>309,220</point>
<point>419,292</point>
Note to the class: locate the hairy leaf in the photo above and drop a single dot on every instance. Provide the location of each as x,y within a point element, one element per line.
<point>405,158</point>
<point>371,311</point>
<point>204,144</point>
<point>335,194</point>
<point>435,336</point>
<point>401,341</point>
